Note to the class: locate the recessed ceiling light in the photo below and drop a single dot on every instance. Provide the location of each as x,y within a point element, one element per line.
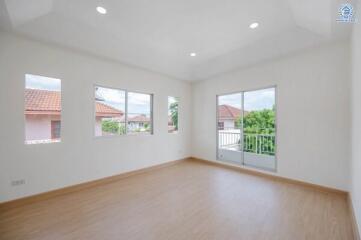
<point>101,10</point>
<point>193,54</point>
<point>254,25</point>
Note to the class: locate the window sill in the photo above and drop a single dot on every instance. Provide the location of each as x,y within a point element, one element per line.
<point>46,141</point>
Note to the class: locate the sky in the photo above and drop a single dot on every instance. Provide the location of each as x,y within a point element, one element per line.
<point>253,100</point>
<point>42,83</point>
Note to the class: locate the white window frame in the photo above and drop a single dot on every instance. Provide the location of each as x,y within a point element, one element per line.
<point>42,141</point>
<point>125,112</point>
<point>178,99</point>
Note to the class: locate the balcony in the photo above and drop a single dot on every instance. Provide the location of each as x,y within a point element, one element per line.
<point>257,150</point>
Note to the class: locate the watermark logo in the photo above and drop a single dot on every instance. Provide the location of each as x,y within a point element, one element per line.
<point>345,13</point>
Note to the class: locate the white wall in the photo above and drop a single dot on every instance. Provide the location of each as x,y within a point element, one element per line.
<point>79,157</point>
<point>313,112</point>
<point>356,121</point>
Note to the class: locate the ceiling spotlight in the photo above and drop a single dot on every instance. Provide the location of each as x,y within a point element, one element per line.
<point>101,10</point>
<point>253,25</point>
<point>193,54</point>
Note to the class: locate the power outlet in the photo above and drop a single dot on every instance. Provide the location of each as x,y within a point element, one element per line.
<point>18,182</point>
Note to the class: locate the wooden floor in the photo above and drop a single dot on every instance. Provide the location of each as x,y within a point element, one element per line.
<point>189,200</point>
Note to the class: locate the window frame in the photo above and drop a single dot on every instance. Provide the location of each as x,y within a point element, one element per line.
<point>151,95</point>
<point>126,91</point>
<point>53,127</point>
<point>178,100</point>
<point>276,124</point>
<point>43,141</point>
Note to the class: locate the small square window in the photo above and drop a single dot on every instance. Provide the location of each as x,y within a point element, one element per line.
<point>173,103</point>
<point>42,109</point>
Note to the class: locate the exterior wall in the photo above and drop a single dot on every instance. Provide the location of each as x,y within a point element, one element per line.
<point>313,112</point>
<point>38,127</point>
<point>98,126</point>
<point>228,124</point>
<point>356,120</point>
<point>80,157</point>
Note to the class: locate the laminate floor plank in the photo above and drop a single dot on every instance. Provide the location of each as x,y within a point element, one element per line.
<point>189,200</point>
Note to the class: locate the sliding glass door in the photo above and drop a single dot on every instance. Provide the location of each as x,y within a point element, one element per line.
<point>246,129</point>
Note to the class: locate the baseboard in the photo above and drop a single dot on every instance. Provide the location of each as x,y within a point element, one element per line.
<point>81,186</point>
<point>273,177</point>
<point>355,229</point>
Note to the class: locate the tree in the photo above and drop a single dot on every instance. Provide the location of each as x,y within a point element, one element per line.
<point>258,123</point>
<point>174,114</point>
<point>238,122</point>
<point>111,126</point>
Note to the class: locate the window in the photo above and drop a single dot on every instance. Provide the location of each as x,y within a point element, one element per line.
<point>173,114</point>
<point>139,113</point>
<point>119,112</point>
<point>55,129</point>
<point>42,109</point>
<point>109,111</point>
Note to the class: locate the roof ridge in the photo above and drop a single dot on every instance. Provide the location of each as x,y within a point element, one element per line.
<point>106,105</point>
<point>43,90</point>
<point>39,100</point>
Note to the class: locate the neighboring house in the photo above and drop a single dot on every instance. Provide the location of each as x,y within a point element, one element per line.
<point>227,116</point>
<point>139,122</point>
<point>43,114</point>
<point>103,111</point>
<point>229,136</point>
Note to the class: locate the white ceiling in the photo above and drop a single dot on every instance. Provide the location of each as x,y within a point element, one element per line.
<point>159,35</point>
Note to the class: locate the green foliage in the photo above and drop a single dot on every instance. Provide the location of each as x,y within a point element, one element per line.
<point>238,122</point>
<point>113,127</point>
<point>121,129</point>
<point>258,123</point>
<point>174,114</point>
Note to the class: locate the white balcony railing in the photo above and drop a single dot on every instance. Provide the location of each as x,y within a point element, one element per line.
<point>254,143</point>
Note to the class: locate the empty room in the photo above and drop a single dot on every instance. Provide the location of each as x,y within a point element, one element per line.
<point>180,120</point>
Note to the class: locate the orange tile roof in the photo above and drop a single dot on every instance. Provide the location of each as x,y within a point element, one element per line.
<point>49,102</point>
<point>228,112</point>
<point>103,110</point>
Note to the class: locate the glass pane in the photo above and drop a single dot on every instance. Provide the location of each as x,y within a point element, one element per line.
<point>230,127</point>
<point>173,114</point>
<point>42,109</point>
<point>109,111</point>
<point>259,128</point>
<point>139,113</point>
